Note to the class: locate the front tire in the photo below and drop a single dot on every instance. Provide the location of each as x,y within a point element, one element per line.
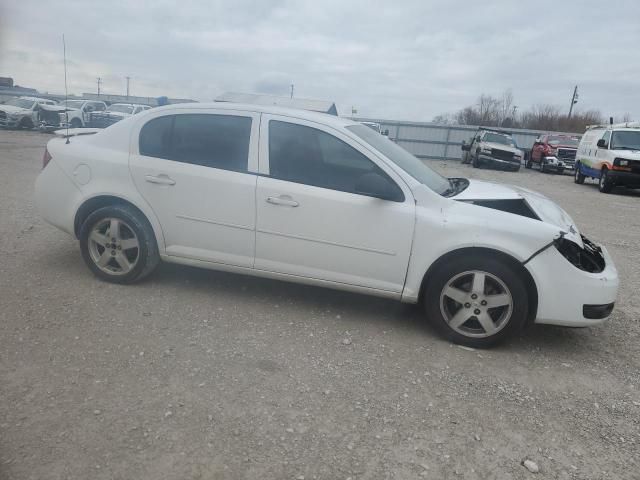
<point>118,244</point>
<point>26,123</point>
<point>605,185</point>
<point>477,301</point>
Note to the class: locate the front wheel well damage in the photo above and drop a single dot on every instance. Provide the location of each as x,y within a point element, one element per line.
<point>93,204</point>
<point>530,284</point>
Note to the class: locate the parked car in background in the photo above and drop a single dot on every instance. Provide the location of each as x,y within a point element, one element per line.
<point>114,113</point>
<point>69,113</point>
<point>316,199</point>
<point>611,155</point>
<point>554,153</point>
<point>22,112</point>
<point>492,148</point>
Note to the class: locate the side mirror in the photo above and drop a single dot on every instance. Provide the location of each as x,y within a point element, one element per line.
<point>465,147</point>
<point>375,185</point>
<point>478,138</point>
<point>88,108</point>
<point>602,143</point>
<point>386,132</point>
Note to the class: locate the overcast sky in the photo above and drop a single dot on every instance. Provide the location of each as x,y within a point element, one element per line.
<point>406,60</point>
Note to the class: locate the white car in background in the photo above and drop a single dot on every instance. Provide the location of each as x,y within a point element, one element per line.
<point>114,113</point>
<point>22,112</point>
<point>312,198</point>
<point>69,113</point>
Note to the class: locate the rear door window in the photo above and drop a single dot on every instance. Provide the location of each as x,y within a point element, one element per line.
<point>155,137</point>
<point>210,140</point>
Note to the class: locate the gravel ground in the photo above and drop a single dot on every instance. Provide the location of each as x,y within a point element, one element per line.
<point>203,375</point>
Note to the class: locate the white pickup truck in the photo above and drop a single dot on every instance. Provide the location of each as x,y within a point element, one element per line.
<point>69,113</point>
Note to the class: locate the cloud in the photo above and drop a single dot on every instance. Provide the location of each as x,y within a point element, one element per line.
<point>405,60</point>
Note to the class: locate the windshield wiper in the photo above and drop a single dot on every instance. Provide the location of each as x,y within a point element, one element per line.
<point>626,148</point>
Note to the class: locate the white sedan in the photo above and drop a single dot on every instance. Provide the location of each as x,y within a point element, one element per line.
<point>316,199</point>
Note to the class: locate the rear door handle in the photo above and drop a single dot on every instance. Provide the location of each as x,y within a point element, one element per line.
<point>161,179</point>
<point>285,200</point>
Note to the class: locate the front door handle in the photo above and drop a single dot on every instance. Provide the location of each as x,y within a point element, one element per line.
<point>285,200</point>
<point>161,179</point>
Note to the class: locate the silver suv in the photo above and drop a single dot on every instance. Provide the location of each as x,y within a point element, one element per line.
<point>492,148</point>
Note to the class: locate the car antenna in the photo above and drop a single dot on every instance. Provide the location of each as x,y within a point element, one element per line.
<point>64,57</point>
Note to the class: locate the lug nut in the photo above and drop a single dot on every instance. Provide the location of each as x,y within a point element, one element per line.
<point>483,303</point>
<point>120,248</point>
<point>477,311</point>
<point>113,253</point>
<point>474,296</point>
<point>467,305</point>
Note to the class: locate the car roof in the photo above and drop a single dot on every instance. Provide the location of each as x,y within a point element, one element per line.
<point>324,118</point>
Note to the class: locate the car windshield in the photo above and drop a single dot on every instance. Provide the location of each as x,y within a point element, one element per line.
<point>625,140</point>
<point>560,140</point>
<point>120,108</point>
<point>497,138</point>
<point>72,103</point>
<point>403,159</point>
<point>20,102</point>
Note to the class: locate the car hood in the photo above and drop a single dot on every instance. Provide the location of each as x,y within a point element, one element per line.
<point>12,109</point>
<point>544,209</point>
<point>57,108</point>
<point>500,146</point>
<point>113,114</point>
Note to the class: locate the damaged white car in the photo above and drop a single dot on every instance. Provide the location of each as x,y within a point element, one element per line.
<point>22,112</point>
<point>312,198</point>
<point>69,113</point>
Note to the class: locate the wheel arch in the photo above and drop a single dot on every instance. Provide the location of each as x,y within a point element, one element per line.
<point>92,204</point>
<point>532,289</point>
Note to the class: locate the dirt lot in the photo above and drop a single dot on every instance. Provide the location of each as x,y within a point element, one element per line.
<point>202,375</point>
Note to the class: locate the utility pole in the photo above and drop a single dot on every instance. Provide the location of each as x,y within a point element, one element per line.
<point>99,82</point>
<point>128,78</point>
<point>574,100</point>
<point>291,91</point>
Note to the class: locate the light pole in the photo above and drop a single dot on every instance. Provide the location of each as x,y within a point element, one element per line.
<point>574,100</point>
<point>99,82</point>
<point>128,78</point>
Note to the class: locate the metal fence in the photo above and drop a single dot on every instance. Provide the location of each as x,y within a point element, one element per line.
<point>432,141</point>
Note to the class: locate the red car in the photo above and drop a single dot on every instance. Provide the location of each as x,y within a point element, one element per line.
<point>554,153</point>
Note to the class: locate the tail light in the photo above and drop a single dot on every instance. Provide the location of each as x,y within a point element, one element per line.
<point>46,158</point>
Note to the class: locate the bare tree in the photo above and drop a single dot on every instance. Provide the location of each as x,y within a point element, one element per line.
<point>490,111</point>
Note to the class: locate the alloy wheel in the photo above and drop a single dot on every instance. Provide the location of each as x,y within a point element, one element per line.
<point>476,304</point>
<point>113,246</point>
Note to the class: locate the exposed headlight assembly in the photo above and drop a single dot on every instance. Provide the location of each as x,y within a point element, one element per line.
<point>588,259</point>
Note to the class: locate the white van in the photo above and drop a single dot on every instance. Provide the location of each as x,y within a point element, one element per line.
<point>610,154</point>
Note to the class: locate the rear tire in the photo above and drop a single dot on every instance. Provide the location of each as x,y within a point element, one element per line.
<point>578,177</point>
<point>605,185</point>
<point>470,321</point>
<point>118,244</point>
